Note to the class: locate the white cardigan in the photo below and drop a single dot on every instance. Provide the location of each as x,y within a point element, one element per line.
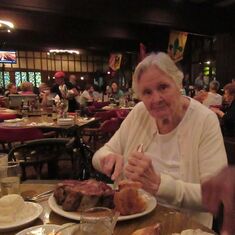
<point>202,153</point>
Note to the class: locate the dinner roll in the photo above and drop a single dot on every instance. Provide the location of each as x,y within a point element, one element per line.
<point>10,205</point>
<point>150,230</point>
<point>192,232</point>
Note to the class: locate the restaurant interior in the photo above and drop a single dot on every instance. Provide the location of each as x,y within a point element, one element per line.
<point>51,142</point>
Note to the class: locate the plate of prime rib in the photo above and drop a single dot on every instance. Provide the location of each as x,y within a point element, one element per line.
<point>70,197</point>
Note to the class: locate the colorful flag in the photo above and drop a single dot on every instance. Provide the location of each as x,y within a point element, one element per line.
<point>142,51</point>
<point>177,41</point>
<point>115,61</point>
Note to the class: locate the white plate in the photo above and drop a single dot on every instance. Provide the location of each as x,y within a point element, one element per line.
<point>40,229</point>
<point>36,212</point>
<point>150,201</point>
<point>13,120</point>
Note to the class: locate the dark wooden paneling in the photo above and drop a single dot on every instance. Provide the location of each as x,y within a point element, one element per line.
<point>225,57</point>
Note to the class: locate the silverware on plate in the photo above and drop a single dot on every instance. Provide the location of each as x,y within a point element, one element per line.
<point>39,197</point>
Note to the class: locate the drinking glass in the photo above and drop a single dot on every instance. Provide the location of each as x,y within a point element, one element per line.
<point>44,116</point>
<point>10,178</point>
<point>3,159</point>
<point>77,115</point>
<point>98,220</point>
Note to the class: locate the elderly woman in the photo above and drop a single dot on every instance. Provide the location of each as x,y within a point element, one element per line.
<point>182,141</point>
<point>228,117</point>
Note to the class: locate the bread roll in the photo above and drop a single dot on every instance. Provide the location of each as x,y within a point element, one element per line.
<point>150,230</point>
<point>128,201</point>
<point>192,232</point>
<point>128,184</point>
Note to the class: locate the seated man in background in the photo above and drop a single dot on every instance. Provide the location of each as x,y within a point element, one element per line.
<point>65,90</point>
<point>87,95</point>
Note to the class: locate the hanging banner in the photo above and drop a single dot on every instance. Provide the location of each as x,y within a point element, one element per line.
<point>177,41</point>
<point>142,52</point>
<point>115,61</point>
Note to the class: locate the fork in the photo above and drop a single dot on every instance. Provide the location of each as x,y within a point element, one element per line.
<point>140,148</point>
<point>39,197</point>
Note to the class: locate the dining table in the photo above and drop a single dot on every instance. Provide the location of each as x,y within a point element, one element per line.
<point>171,220</point>
<point>70,129</point>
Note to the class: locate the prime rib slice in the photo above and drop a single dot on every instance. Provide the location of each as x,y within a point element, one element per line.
<point>74,195</point>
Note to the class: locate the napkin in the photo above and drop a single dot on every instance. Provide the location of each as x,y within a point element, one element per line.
<point>192,232</point>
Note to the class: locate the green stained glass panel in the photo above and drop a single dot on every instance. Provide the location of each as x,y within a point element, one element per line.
<point>31,77</point>
<point>17,78</point>
<point>7,78</point>
<point>38,78</point>
<point>1,80</point>
<point>24,76</point>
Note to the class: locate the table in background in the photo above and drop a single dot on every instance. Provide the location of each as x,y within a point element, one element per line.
<point>172,221</point>
<point>71,130</point>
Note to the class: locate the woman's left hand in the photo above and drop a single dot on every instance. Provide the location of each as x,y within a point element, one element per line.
<point>139,168</point>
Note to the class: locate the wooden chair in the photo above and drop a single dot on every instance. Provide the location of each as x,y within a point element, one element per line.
<point>106,115</point>
<point>87,170</point>
<point>37,153</point>
<point>100,135</point>
<point>99,105</point>
<point>122,113</point>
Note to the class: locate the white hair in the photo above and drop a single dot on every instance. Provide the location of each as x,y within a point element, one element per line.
<point>162,61</point>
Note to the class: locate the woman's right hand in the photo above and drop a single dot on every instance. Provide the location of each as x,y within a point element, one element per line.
<point>112,165</point>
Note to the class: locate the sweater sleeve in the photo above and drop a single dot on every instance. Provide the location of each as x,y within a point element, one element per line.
<point>211,157</point>
<point>180,193</point>
<point>118,142</point>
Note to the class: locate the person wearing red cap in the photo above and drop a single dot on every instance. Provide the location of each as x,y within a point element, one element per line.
<point>65,90</point>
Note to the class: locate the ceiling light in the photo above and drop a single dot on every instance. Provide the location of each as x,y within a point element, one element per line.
<point>64,51</point>
<point>6,25</point>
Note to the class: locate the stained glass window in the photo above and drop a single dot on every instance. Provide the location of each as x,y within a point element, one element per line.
<point>31,77</point>
<point>38,78</point>
<point>7,78</point>
<point>34,77</point>
<point>1,80</point>
<point>4,79</point>
<point>24,77</point>
<point>17,78</point>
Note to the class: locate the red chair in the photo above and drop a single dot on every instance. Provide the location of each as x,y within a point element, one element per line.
<point>100,105</point>
<point>122,113</point>
<point>7,116</point>
<point>10,135</point>
<point>106,115</point>
<point>100,135</point>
